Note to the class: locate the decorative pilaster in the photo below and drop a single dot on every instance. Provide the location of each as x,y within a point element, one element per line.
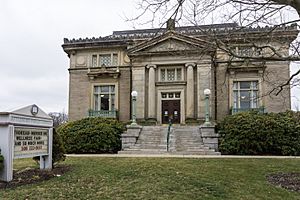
<point>204,81</point>
<point>151,91</point>
<point>190,90</point>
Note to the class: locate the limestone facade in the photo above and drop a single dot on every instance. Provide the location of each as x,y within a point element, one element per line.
<point>170,68</point>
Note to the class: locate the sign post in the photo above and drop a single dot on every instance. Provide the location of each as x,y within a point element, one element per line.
<point>25,133</point>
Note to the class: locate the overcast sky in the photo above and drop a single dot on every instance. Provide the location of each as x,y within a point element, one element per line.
<point>33,64</point>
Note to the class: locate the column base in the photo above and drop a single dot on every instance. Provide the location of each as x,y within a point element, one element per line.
<point>209,136</point>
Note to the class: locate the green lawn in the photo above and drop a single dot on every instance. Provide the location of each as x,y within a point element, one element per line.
<point>161,178</point>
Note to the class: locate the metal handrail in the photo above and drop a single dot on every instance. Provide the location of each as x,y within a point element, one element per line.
<point>168,135</point>
<point>103,113</point>
<point>237,110</point>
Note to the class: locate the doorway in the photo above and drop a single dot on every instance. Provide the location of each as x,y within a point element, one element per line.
<point>170,110</point>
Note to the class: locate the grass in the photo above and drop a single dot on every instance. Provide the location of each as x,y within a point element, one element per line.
<point>160,178</point>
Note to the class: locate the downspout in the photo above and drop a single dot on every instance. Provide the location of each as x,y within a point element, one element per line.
<point>215,84</point>
<point>130,76</point>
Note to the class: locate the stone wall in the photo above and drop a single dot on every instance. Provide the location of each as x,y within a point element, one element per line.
<point>79,94</point>
<point>124,94</point>
<point>277,73</point>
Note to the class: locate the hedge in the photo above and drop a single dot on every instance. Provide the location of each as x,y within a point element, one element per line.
<point>58,149</point>
<point>252,133</point>
<point>92,135</point>
<point>1,161</point>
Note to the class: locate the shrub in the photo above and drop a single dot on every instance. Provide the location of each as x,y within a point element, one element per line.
<point>92,135</point>
<point>1,161</point>
<point>58,149</point>
<point>253,133</point>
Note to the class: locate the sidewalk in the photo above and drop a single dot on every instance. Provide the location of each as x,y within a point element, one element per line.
<point>176,156</point>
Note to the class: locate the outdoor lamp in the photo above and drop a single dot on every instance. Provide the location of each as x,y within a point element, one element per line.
<point>207,92</point>
<point>134,95</point>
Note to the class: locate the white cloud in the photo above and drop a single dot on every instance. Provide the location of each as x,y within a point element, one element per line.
<point>33,66</point>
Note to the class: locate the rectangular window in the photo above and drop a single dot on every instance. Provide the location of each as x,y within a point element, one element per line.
<point>104,97</point>
<point>94,60</point>
<point>105,60</point>
<point>245,94</point>
<point>115,59</point>
<point>171,74</point>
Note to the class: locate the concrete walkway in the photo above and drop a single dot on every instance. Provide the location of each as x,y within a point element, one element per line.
<point>175,156</point>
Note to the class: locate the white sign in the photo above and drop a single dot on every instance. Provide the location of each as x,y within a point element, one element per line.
<point>25,133</point>
<point>30,142</point>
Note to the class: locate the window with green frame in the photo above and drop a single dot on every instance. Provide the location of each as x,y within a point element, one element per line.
<point>245,94</point>
<point>104,98</point>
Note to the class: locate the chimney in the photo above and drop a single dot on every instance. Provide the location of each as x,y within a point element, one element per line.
<point>171,24</point>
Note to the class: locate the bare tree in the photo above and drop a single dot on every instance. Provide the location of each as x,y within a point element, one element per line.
<point>246,13</point>
<point>58,118</point>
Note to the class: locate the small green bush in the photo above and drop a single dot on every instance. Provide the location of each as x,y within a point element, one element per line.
<point>58,149</point>
<point>1,161</point>
<point>92,135</point>
<point>252,133</point>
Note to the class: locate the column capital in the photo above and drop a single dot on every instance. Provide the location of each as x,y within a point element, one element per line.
<point>149,66</point>
<point>190,65</point>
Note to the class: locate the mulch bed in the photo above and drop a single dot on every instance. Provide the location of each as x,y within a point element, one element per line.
<point>290,181</point>
<point>29,176</point>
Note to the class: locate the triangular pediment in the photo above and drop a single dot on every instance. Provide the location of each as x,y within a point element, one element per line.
<point>170,42</point>
<point>30,110</point>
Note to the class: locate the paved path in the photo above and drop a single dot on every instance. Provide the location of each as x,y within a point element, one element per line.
<point>176,156</point>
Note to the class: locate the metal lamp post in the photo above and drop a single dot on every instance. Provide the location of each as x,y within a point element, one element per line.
<point>207,93</point>
<point>133,95</point>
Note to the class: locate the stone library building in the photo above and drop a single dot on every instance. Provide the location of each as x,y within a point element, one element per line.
<point>170,67</point>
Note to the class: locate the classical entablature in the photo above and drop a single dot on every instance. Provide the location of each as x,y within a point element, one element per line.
<point>171,43</point>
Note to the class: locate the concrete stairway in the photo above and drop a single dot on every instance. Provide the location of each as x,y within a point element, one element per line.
<point>152,140</point>
<point>184,140</point>
<point>188,141</point>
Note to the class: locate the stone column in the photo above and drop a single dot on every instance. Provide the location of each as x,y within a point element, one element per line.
<point>190,90</point>
<point>151,91</point>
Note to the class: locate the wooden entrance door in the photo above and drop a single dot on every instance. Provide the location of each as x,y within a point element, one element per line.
<point>170,110</point>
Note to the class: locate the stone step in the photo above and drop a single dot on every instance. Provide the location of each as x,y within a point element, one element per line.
<point>183,140</point>
<point>150,145</point>
<point>142,152</point>
<point>195,153</point>
<point>189,140</point>
<point>194,144</point>
<point>153,136</point>
<point>191,146</point>
<point>146,150</point>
